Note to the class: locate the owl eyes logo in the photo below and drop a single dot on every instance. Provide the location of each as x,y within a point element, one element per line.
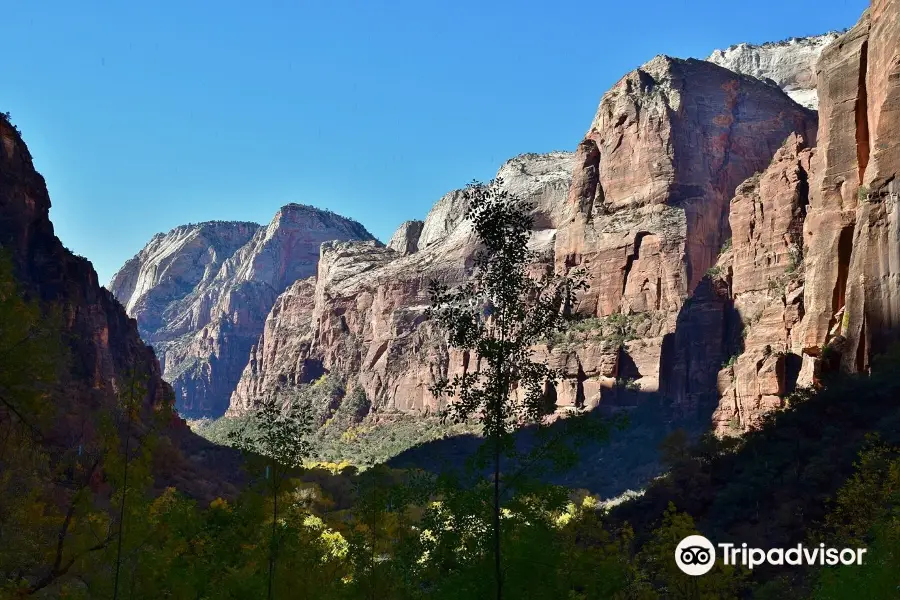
<point>695,555</point>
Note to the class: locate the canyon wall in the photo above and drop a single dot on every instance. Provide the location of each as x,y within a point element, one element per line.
<point>642,205</point>
<point>103,341</point>
<point>737,244</point>
<point>201,294</point>
<point>826,295</point>
<point>851,234</point>
<point>363,315</point>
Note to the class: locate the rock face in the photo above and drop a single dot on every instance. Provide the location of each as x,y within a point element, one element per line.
<point>681,157</point>
<point>668,146</point>
<point>648,210</point>
<point>790,64</point>
<point>406,239</point>
<point>201,294</point>
<point>852,291</point>
<point>174,264</point>
<point>642,205</point>
<point>765,268</point>
<point>815,266</point>
<point>104,341</point>
<point>364,316</point>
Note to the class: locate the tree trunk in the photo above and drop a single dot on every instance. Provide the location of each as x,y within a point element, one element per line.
<point>274,531</point>
<point>129,408</point>
<point>498,574</point>
<point>498,436</point>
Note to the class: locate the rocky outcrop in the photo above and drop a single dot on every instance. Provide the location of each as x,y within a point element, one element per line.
<point>790,64</point>
<point>104,342</point>
<point>406,239</point>
<point>765,269</point>
<point>682,156</point>
<point>816,263</point>
<point>285,339</point>
<point>671,141</point>
<point>174,264</point>
<point>648,209</point>
<point>202,296</point>
<point>367,317</point>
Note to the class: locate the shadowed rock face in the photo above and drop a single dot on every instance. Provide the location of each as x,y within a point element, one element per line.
<point>790,64</point>
<point>832,266</point>
<point>765,269</point>
<point>103,340</point>
<point>201,294</point>
<point>852,291</point>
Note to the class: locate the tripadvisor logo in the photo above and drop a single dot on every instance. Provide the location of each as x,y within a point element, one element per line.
<point>696,555</point>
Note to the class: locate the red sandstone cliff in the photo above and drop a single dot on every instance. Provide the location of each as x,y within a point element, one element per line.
<point>643,205</point>
<point>851,235</point>
<point>825,224</point>
<point>681,157</point>
<point>363,317</point>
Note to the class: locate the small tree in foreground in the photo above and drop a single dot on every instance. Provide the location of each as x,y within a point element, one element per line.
<point>278,433</point>
<point>499,315</point>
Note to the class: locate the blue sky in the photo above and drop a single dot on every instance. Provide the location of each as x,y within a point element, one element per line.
<point>146,115</point>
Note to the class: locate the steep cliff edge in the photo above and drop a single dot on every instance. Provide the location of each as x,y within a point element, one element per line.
<point>765,271</point>
<point>406,239</point>
<point>815,265</point>
<point>103,340</point>
<point>201,294</point>
<point>791,64</point>
<point>853,257</point>
<point>174,264</point>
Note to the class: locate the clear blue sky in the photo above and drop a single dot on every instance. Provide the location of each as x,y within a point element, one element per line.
<point>146,115</point>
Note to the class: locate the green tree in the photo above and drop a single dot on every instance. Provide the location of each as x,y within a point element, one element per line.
<point>31,355</point>
<point>499,315</point>
<point>278,433</point>
<point>657,560</point>
<point>865,513</point>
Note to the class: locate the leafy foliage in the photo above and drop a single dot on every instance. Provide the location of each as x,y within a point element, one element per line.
<point>614,330</point>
